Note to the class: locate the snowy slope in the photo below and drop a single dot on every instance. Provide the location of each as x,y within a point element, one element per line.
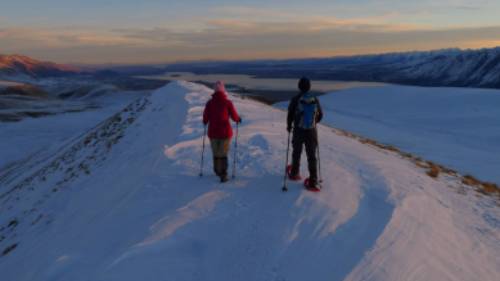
<point>124,202</point>
<point>455,127</point>
<point>31,138</point>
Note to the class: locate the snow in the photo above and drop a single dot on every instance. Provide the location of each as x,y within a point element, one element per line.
<point>455,127</point>
<point>21,142</point>
<point>124,202</point>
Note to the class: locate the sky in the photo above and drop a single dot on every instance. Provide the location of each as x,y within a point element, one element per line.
<point>155,31</point>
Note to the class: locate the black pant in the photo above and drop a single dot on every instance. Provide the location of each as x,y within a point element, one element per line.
<point>309,138</point>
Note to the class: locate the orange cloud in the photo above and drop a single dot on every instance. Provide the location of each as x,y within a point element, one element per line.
<point>230,38</point>
<point>481,44</point>
<point>314,24</point>
<point>61,38</point>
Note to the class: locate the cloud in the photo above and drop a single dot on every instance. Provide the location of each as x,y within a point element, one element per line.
<point>59,38</point>
<point>230,38</point>
<point>244,12</point>
<point>311,32</point>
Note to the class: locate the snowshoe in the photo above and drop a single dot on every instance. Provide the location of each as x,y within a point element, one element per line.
<point>312,187</point>
<point>290,176</point>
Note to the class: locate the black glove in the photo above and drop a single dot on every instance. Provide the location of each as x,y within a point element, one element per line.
<point>239,121</point>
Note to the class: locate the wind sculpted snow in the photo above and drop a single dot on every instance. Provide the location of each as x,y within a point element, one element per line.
<point>139,211</point>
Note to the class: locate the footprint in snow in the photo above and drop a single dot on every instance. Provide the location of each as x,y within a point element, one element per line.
<point>259,141</point>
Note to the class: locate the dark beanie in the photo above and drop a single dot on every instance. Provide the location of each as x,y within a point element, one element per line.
<point>304,84</point>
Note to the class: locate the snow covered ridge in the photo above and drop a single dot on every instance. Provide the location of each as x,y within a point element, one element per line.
<point>141,211</point>
<point>77,159</point>
<point>433,170</point>
<point>51,96</point>
<point>23,66</point>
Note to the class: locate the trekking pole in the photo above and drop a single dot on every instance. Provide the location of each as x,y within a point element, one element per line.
<point>235,150</point>
<point>319,159</point>
<point>285,188</point>
<point>203,150</point>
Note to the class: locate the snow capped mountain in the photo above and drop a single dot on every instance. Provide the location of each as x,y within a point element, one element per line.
<point>450,67</point>
<point>469,68</point>
<point>123,201</point>
<point>19,65</point>
<point>32,88</point>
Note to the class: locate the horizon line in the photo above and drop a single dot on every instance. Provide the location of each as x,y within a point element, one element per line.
<point>222,60</point>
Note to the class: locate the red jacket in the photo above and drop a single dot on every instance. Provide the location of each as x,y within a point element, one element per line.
<point>217,112</point>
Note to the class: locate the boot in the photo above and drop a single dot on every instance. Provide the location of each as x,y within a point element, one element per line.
<point>223,169</point>
<point>291,176</point>
<point>224,178</point>
<point>216,166</point>
<point>313,183</point>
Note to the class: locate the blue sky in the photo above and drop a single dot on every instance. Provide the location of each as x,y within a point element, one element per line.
<point>148,31</point>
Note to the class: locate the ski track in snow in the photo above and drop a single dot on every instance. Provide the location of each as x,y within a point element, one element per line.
<point>142,212</point>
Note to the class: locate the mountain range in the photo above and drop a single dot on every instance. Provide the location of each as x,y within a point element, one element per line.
<point>19,65</point>
<point>440,68</point>
<point>449,67</point>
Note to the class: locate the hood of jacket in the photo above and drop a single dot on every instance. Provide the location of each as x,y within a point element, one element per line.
<point>219,95</point>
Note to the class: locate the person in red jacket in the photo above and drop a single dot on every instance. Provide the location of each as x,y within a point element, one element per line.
<point>217,112</point>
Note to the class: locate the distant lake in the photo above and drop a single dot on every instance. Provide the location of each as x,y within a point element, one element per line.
<point>263,84</point>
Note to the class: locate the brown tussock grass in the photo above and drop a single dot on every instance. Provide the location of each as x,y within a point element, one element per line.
<point>433,171</point>
<point>422,164</point>
<point>489,187</point>
<point>470,180</point>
